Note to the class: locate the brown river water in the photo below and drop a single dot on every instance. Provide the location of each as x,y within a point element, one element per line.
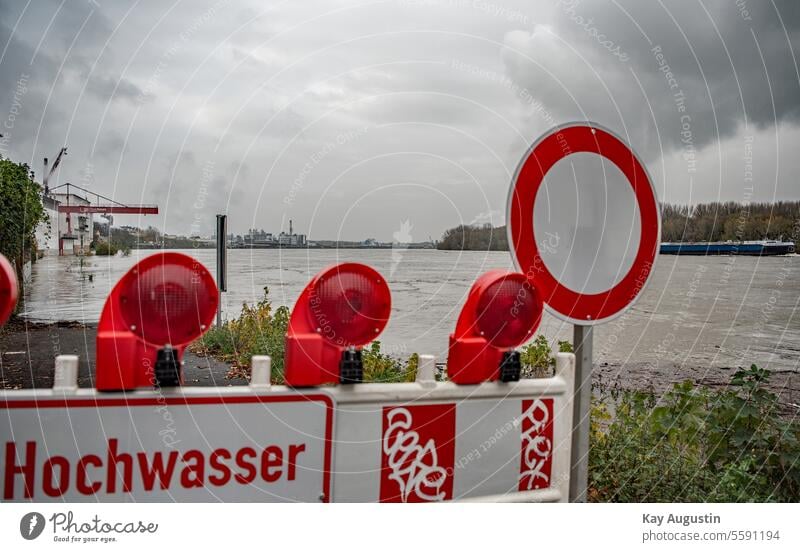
<point>699,315</point>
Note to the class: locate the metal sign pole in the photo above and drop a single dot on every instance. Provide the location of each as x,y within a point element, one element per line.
<point>579,470</point>
<point>222,261</point>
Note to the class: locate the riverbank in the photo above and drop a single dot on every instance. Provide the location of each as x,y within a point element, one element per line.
<point>28,350</point>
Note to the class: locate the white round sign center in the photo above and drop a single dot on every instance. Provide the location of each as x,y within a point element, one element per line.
<point>590,244</point>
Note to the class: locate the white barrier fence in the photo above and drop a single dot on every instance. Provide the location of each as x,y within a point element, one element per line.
<point>410,442</point>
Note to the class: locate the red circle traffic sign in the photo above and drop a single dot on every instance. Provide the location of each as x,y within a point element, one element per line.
<point>580,307</point>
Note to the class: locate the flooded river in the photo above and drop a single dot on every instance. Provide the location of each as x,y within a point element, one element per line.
<point>697,313</point>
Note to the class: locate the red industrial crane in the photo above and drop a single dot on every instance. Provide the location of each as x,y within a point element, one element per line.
<point>105,205</point>
<point>83,206</point>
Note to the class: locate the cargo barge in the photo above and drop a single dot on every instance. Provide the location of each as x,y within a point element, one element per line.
<point>758,248</point>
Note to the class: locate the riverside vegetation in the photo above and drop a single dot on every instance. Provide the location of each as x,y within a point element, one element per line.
<point>693,444</point>
<point>21,211</point>
<point>109,249</point>
<point>679,223</point>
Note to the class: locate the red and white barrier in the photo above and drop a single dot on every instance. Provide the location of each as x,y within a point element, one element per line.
<point>412,442</point>
<point>418,442</point>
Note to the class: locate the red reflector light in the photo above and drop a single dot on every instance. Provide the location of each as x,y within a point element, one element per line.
<point>168,302</point>
<point>502,311</point>
<point>8,289</point>
<point>346,305</point>
<point>350,304</point>
<point>508,311</point>
<point>167,298</point>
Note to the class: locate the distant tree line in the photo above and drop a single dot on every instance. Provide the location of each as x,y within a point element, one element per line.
<point>679,223</point>
<point>731,221</point>
<point>474,238</point>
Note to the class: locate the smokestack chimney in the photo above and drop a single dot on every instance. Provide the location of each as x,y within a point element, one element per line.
<point>291,233</point>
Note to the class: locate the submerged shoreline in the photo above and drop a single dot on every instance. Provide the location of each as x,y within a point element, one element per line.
<point>28,350</point>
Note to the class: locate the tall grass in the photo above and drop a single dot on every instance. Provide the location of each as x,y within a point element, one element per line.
<point>259,330</point>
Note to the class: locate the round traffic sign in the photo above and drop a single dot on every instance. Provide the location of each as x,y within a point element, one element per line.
<point>583,222</point>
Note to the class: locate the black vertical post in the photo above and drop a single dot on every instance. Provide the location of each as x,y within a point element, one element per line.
<point>222,261</point>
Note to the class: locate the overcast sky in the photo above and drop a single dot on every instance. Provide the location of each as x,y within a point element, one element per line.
<point>353,117</point>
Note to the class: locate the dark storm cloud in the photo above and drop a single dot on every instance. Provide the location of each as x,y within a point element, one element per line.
<point>21,99</point>
<point>39,60</point>
<point>673,74</point>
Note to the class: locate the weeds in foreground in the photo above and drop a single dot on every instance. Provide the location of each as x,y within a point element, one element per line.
<point>259,330</point>
<point>537,357</point>
<point>695,444</point>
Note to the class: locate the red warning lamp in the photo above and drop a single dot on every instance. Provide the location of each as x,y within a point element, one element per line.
<point>343,308</point>
<point>162,304</point>
<point>8,289</point>
<point>502,311</point>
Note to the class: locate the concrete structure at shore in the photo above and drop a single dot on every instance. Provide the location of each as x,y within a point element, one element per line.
<point>64,233</point>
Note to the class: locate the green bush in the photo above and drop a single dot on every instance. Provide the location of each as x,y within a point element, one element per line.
<point>695,445</point>
<point>259,330</point>
<point>21,211</point>
<point>384,368</point>
<point>111,249</point>
<point>537,357</point>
